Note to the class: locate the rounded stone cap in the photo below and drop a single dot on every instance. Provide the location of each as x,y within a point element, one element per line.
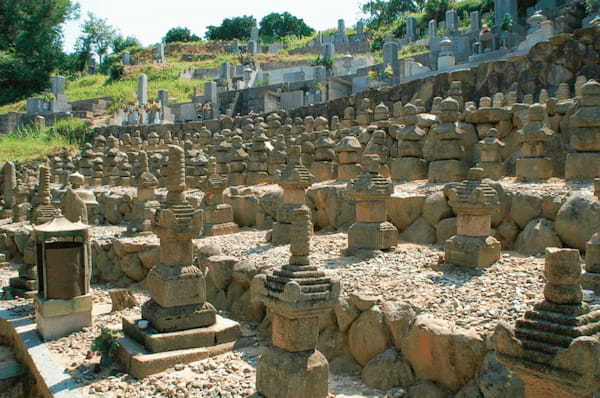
<point>592,87</point>
<point>76,179</point>
<point>537,112</point>
<point>410,109</point>
<point>475,173</point>
<point>371,163</point>
<point>449,105</point>
<point>348,144</point>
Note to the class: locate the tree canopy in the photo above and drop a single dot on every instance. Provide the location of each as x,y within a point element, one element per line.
<point>180,34</point>
<point>30,44</point>
<point>96,36</point>
<point>385,12</point>
<point>275,26</point>
<point>232,29</point>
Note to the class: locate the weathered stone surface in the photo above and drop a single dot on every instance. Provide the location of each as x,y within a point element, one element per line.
<point>150,257</point>
<point>368,336</point>
<point>121,299</point>
<point>436,208</point>
<point>331,343</point>
<point>364,300</point>
<point>388,369</point>
<point>470,390</point>
<point>345,313</point>
<point>404,209</point>
<point>525,207</point>
<point>133,268</point>
<point>536,237</point>
<point>399,318</point>
<point>578,219</point>
<point>220,270</point>
<point>495,381</point>
<point>439,352</point>
<point>344,365</point>
<point>420,232</point>
<point>445,229</point>
<point>428,389</point>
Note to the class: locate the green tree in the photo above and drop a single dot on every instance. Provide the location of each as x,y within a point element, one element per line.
<point>385,12</point>
<point>120,43</point>
<point>97,36</point>
<point>276,26</point>
<point>30,44</point>
<point>180,34</point>
<point>231,29</point>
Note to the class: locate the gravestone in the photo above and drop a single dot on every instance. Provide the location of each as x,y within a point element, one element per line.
<point>294,77</point>
<point>160,53</point>
<point>320,73</point>
<point>254,34</point>
<point>360,28</point>
<point>142,90</point>
<point>411,29</point>
<point>126,58</point>
<point>432,28</point>
<point>252,47</point>
<point>504,7</point>
<point>292,99</point>
<point>451,21</point>
<point>329,51</point>
<point>390,56</point>
<point>475,22</point>
<point>58,85</point>
<point>163,97</point>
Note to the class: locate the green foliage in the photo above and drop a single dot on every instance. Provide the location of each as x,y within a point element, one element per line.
<point>381,12</point>
<point>326,62</point>
<point>120,43</point>
<point>231,29</point>
<point>97,36</point>
<point>180,34</point>
<point>30,44</point>
<point>592,6</point>
<point>507,23</point>
<point>75,131</point>
<point>29,143</point>
<point>116,72</point>
<point>106,344</point>
<point>276,25</point>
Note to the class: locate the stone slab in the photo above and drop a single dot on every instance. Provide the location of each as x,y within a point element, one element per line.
<point>221,229</point>
<point>223,331</point>
<point>59,307</point>
<point>55,327</point>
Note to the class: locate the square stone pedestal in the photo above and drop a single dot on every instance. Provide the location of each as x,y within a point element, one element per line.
<point>470,251</point>
<point>372,236</point>
<point>582,166</point>
<point>447,171</point>
<point>348,171</point>
<point>221,229</point>
<point>144,352</point>
<point>282,374</point>
<point>218,220</point>
<point>534,169</point>
<point>492,170</point>
<point>408,169</point>
<point>323,171</point>
<point>59,318</point>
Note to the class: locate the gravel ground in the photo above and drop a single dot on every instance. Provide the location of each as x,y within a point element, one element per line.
<point>470,298</point>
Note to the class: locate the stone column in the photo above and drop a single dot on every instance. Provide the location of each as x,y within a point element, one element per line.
<point>474,202</point>
<point>145,205</point>
<point>491,159</point>
<point>142,90</point>
<point>296,295</point>
<point>257,165</point>
<point>45,210</point>
<point>218,216</point>
<point>295,179</point>
<point>410,165</point>
<point>554,348</point>
<point>323,167</point>
<point>533,165</point>
<point>448,150</point>
<point>348,155</point>
<point>371,230</point>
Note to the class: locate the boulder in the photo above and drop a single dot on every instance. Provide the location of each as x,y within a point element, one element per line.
<point>364,300</point>
<point>525,207</point>
<point>133,268</point>
<point>345,313</point>
<point>495,381</point>
<point>428,389</point>
<point>420,232</point>
<point>331,343</point>
<point>536,237</point>
<point>403,209</point>
<point>578,219</point>
<point>442,353</point>
<point>471,390</point>
<point>436,208</point>
<point>387,370</point>
<point>368,336</point>
<point>150,257</point>
<point>399,318</point>
<point>220,270</point>
<point>344,365</point>
<point>445,229</point>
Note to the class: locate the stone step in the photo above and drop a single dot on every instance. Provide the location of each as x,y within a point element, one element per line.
<point>560,328</point>
<point>535,334</point>
<point>539,346</point>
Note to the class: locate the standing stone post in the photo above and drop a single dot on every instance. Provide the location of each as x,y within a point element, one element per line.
<point>145,205</point>
<point>533,164</point>
<point>296,294</point>
<point>218,216</point>
<point>142,90</point>
<point>9,187</point>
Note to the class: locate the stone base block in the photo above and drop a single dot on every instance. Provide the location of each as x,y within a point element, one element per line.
<point>169,319</point>
<point>374,236</point>
<point>492,170</point>
<point>219,214</point>
<point>220,332</point>
<point>447,171</point>
<point>348,171</point>
<point>237,179</point>
<point>59,318</point>
<point>282,374</point>
<point>221,229</point>
<point>408,169</point>
<point>534,169</point>
<point>280,234</point>
<point>323,171</point>
<point>582,166</point>
<point>469,251</point>
<point>140,363</point>
<point>23,283</point>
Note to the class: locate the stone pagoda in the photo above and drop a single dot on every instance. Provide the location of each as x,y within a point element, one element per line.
<point>218,216</point>
<point>145,204</point>
<point>448,151</point>
<point>584,126</point>
<point>44,211</point>
<point>323,166</point>
<point>555,347</point>
<point>410,165</point>
<point>473,202</point>
<point>258,162</point>
<point>238,162</point>
<point>9,188</point>
<point>348,155</point>
<point>177,321</point>
<point>294,180</point>
<point>533,165</point>
<point>371,231</point>
<point>296,295</point>
<point>490,160</point>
